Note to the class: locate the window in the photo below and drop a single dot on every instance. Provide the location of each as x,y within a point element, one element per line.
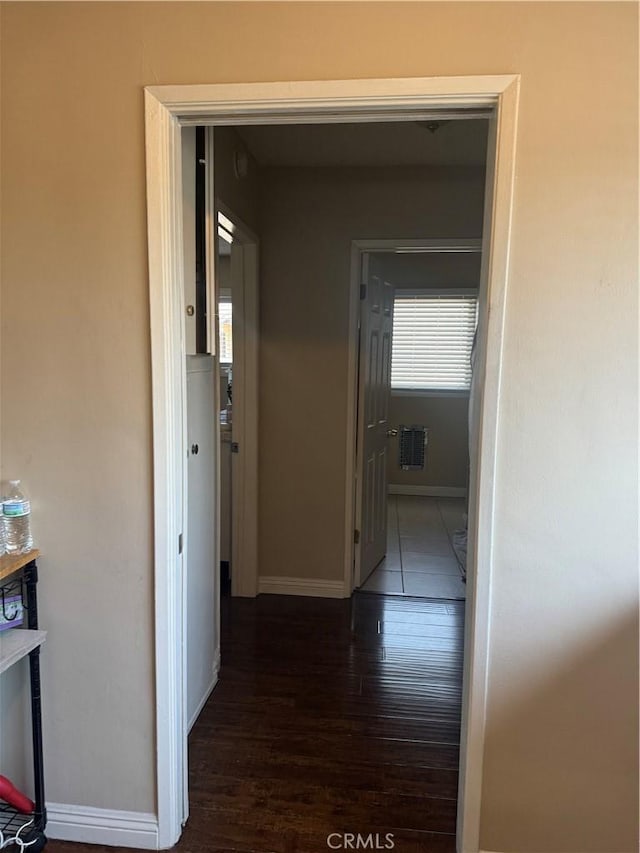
<point>432,339</point>
<point>226,336</point>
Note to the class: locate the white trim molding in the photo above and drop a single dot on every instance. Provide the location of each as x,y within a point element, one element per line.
<point>167,108</point>
<point>325,101</point>
<point>316,587</point>
<point>168,383</point>
<point>102,826</point>
<point>427,491</point>
<point>484,405</point>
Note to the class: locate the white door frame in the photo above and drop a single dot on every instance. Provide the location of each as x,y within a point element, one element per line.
<point>355,430</point>
<point>166,109</point>
<point>244,475</point>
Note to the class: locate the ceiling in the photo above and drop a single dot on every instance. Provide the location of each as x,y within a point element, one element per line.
<point>461,142</point>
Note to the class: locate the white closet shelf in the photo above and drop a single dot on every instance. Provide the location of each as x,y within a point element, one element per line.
<point>16,643</point>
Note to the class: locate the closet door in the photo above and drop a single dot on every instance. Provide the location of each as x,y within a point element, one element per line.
<point>201,574</point>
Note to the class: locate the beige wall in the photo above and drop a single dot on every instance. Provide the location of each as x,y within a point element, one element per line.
<point>445,416</point>
<point>308,219</point>
<point>561,750</point>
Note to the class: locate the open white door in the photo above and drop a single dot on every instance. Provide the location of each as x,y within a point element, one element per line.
<point>376,331</point>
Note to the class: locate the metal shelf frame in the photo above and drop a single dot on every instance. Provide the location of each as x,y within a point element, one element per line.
<point>21,573</point>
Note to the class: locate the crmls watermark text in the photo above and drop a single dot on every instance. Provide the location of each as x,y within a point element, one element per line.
<point>356,841</point>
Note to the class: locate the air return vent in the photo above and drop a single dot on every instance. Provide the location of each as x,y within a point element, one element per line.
<point>413,445</point>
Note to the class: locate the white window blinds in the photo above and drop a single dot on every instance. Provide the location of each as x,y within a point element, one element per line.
<point>432,339</point>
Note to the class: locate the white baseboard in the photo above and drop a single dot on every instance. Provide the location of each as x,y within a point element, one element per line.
<point>301,586</point>
<point>102,826</point>
<point>208,691</point>
<point>427,491</point>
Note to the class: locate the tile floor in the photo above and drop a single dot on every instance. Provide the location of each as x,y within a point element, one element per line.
<point>420,558</point>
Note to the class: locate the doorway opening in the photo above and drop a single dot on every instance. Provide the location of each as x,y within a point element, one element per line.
<point>225,407</point>
<point>236,299</point>
<point>414,462</point>
<point>305,190</point>
<point>220,356</point>
<point>338,101</point>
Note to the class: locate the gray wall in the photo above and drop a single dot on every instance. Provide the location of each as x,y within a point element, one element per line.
<point>239,194</point>
<point>308,219</point>
<point>445,416</point>
<point>447,454</point>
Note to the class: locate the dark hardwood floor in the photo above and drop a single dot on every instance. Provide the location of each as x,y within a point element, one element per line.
<point>315,728</point>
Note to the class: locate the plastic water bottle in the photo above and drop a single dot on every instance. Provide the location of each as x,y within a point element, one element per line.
<point>16,521</point>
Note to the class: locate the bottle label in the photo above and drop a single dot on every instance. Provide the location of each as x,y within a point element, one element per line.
<point>15,509</point>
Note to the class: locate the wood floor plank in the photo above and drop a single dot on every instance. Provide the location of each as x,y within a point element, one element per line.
<point>329,716</point>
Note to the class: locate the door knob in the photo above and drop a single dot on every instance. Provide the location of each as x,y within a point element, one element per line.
<point>391,433</point>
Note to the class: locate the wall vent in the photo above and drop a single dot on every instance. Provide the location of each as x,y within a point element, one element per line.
<point>413,445</point>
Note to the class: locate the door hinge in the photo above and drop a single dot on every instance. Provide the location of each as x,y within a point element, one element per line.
<point>180,542</point>
<point>356,537</point>
<point>363,291</point>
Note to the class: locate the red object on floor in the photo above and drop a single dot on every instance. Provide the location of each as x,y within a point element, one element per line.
<point>10,794</point>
